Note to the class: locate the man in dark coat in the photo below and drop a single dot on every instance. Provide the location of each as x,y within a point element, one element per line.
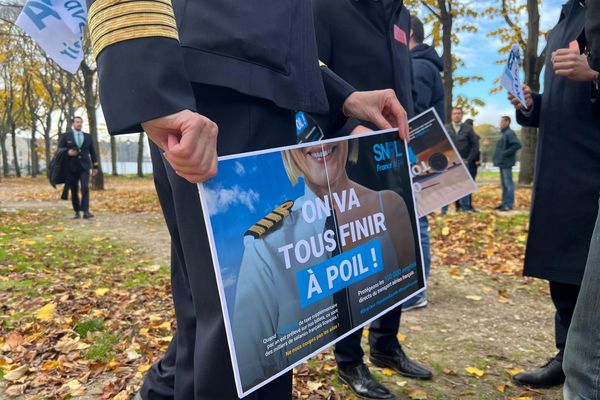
<point>366,43</point>
<point>247,66</point>
<point>467,144</point>
<point>427,69</point>
<point>505,158</point>
<point>566,186</point>
<point>582,350</point>
<point>81,160</point>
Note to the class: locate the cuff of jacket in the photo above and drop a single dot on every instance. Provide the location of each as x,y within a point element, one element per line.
<point>337,91</point>
<point>140,80</point>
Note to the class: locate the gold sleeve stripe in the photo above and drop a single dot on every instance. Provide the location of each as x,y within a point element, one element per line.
<point>114,21</point>
<point>109,13</point>
<point>132,20</point>
<point>134,32</point>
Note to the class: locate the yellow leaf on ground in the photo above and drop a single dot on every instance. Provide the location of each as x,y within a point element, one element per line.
<point>388,372</point>
<point>50,365</point>
<point>46,313</point>
<point>401,338</point>
<point>475,371</point>
<point>314,386</point>
<point>144,368</point>
<point>164,325</point>
<point>101,291</point>
<point>445,231</point>
<point>514,371</point>
<point>501,388</point>
<point>474,298</point>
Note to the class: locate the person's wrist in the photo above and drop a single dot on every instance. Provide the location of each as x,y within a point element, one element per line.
<point>349,104</point>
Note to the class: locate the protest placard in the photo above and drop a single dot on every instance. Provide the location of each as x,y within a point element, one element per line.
<point>510,79</point>
<point>439,174</point>
<point>309,243</point>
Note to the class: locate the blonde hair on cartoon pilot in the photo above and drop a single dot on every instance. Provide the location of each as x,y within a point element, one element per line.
<point>294,163</point>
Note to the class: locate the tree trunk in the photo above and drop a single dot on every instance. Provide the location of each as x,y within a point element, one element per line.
<point>35,166</point>
<point>532,64</point>
<point>447,21</point>
<point>140,156</point>
<point>91,103</point>
<point>48,142</point>
<point>113,155</point>
<point>13,134</point>
<point>5,170</point>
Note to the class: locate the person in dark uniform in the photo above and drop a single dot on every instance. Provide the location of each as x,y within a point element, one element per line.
<point>505,157</point>
<point>566,186</point>
<point>82,159</point>
<point>366,43</point>
<point>188,72</point>
<point>582,350</point>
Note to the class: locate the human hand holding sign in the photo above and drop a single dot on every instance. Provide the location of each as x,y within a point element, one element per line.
<point>528,99</point>
<point>189,141</point>
<point>573,65</point>
<point>380,107</point>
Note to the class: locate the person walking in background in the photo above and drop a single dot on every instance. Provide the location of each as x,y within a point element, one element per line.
<point>366,43</point>
<point>429,89</point>
<point>81,159</point>
<point>505,159</point>
<point>566,185</point>
<point>467,143</point>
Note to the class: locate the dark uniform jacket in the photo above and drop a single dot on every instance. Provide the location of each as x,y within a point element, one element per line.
<point>355,39</point>
<point>505,155</point>
<point>592,32</point>
<point>427,67</point>
<point>567,171</point>
<point>466,142</point>
<point>86,159</point>
<point>261,48</point>
<point>57,170</point>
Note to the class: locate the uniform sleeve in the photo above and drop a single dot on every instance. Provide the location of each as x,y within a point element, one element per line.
<point>255,313</point>
<point>592,32</point>
<point>423,89</point>
<point>532,117</point>
<point>140,65</point>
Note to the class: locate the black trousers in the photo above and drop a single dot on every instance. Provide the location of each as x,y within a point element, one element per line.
<point>197,363</point>
<point>382,338</point>
<point>564,297</point>
<point>74,178</point>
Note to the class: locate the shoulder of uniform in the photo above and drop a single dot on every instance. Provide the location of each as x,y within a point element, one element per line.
<point>270,222</point>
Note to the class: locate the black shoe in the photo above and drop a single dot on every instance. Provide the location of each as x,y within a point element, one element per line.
<point>505,209</point>
<point>88,215</point>
<point>77,215</point>
<point>548,376</point>
<point>499,207</point>
<point>362,383</point>
<point>399,362</point>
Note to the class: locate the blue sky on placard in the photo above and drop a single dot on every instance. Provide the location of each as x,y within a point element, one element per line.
<point>245,191</point>
<point>480,53</point>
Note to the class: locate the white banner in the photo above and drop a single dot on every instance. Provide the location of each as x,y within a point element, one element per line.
<point>57,26</point>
